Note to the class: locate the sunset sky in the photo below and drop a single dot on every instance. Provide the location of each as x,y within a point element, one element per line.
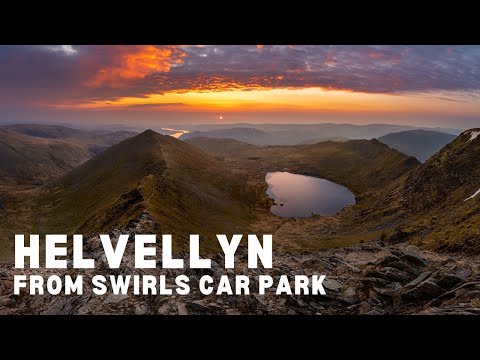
<point>416,85</point>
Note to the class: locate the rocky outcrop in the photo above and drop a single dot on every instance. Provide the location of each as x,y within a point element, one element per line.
<point>364,279</point>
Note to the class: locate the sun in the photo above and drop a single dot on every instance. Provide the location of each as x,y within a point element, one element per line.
<point>221,117</point>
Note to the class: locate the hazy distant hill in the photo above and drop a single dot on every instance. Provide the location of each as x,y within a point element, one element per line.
<point>30,160</point>
<point>47,131</point>
<point>249,135</point>
<point>99,137</point>
<point>34,154</point>
<point>292,134</point>
<point>421,144</point>
<point>314,141</point>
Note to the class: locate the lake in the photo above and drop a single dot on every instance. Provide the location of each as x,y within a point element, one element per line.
<point>301,196</point>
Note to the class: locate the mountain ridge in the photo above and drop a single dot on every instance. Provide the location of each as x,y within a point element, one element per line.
<point>174,185</point>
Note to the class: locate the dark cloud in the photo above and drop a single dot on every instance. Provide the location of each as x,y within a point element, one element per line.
<point>373,69</point>
<point>33,74</point>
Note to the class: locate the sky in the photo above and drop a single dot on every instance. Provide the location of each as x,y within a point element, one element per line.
<point>180,84</point>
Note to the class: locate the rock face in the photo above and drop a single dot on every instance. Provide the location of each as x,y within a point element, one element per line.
<point>364,279</point>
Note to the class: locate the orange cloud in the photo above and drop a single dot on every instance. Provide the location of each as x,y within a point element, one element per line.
<point>375,55</point>
<point>137,64</point>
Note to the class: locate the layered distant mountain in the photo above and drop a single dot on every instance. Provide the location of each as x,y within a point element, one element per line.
<point>35,154</point>
<point>26,159</point>
<point>259,137</point>
<point>47,131</point>
<point>421,144</point>
<point>248,135</point>
<point>289,134</point>
<point>62,132</point>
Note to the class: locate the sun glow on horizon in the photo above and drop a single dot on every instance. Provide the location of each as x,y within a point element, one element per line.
<point>281,99</point>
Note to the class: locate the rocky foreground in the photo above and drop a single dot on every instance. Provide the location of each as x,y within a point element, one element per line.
<point>365,279</point>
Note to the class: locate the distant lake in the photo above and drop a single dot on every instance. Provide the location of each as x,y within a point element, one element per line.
<point>301,196</point>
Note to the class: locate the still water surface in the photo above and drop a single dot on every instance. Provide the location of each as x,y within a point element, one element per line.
<point>301,196</point>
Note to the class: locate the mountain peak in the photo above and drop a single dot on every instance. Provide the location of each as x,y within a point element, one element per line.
<point>150,138</point>
<point>149,132</point>
<point>151,173</point>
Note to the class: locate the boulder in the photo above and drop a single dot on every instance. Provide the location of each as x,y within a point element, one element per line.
<point>414,259</point>
<point>141,310</point>
<point>419,279</point>
<point>449,281</point>
<point>394,274</point>
<point>388,259</point>
<point>198,305</point>
<point>332,285</point>
<point>164,310</point>
<point>182,309</point>
<point>426,290</point>
<point>233,312</point>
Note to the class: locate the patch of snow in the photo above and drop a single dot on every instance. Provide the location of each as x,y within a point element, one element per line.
<point>475,194</point>
<point>473,135</point>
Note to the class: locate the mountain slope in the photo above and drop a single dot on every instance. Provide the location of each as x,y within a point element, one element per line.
<point>46,131</point>
<point>443,196</point>
<point>421,144</point>
<point>361,165</point>
<point>64,132</point>
<point>174,185</point>
<point>29,160</point>
<point>36,154</point>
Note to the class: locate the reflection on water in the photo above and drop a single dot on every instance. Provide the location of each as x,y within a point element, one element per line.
<point>176,133</point>
<point>301,196</point>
